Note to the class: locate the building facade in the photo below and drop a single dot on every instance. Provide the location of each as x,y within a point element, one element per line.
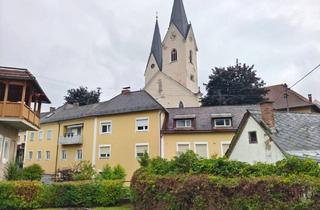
<point>19,92</point>
<point>171,74</point>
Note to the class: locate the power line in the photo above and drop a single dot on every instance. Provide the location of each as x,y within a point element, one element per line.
<point>305,76</point>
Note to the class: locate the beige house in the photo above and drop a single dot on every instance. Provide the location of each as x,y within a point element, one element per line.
<point>171,74</point>
<point>19,92</point>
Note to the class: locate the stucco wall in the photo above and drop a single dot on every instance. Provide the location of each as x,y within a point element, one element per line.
<point>252,153</point>
<point>214,141</point>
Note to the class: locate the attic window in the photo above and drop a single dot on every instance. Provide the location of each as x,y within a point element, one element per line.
<point>174,55</point>
<point>191,56</point>
<point>222,122</point>
<point>184,123</point>
<point>152,66</point>
<point>253,137</point>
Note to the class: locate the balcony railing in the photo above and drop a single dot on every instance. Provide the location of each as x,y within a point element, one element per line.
<point>70,140</point>
<point>17,110</point>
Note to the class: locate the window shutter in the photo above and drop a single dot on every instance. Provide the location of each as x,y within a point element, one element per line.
<point>201,150</point>
<point>183,148</point>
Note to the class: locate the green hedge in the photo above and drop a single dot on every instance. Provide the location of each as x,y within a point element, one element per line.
<point>198,192</point>
<point>30,195</point>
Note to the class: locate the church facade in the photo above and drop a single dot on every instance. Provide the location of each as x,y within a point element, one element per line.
<point>171,74</point>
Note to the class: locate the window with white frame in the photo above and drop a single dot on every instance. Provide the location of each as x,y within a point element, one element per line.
<point>1,145</point>
<point>224,147</point>
<point>49,134</point>
<point>6,149</point>
<point>182,148</point>
<point>104,151</point>
<point>201,149</point>
<point>222,122</point>
<point>40,135</point>
<point>48,155</point>
<point>105,127</point>
<point>142,124</point>
<point>30,155</point>
<point>31,136</point>
<point>64,154</point>
<point>185,123</point>
<point>141,149</point>
<point>79,154</point>
<point>39,155</point>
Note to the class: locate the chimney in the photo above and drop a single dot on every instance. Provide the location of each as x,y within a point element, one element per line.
<point>125,90</point>
<point>52,109</point>
<point>310,97</point>
<point>267,113</point>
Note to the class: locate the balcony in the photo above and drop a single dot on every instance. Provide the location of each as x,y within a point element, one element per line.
<point>19,116</point>
<point>70,139</point>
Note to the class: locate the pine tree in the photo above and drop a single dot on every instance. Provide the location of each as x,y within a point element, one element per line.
<point>234,85</point>
<point>83,96</point>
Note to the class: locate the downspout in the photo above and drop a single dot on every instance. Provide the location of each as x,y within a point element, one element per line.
<point>57,156</point>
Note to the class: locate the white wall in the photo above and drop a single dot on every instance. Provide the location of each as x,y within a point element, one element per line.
<point>252,153</point>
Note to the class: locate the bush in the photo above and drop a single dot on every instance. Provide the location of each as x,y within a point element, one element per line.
<point>66,174</point>
<point>30,195</point>
<point>33,172</point>
<point>294,165</point>
<point>84,171</point>
<point>117,173</point>
<point>12,172</point>
<point>144,160</point>
<point>214,192</point>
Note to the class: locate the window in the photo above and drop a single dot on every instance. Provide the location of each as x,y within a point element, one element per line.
<point>39,155</point>
<point>222,122</point>
<point>48,155</point>
<point>192,77</point>
<point>253,137</point>
<point>181,105</point>
<point>49,134</point>
<point>142,124</point>
<point>30,155</point>
<point>104,151</point>
<point>40,135</point>
<point>191,56</point>
<point>141,149</point>
<point>224,147</point>
<point>174,55</point>
<point>73,130</point>
<point>63,154</point>
<point>31,136</point>
<point>79,154</point>
<point>105,127</point>
<point>184,123</point>
<point>201,149</point>
<point>6,149</point>
<point>182,148</point>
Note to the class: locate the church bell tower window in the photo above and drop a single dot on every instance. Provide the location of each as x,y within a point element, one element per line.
<point>191,56</point>
<point>174,55</point>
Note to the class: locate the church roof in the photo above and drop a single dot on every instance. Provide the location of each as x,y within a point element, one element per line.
<point>156,48</point>
<point>179,17</point>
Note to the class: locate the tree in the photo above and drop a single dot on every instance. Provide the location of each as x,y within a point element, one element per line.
<point>83,96</point>
<point>234,85</point>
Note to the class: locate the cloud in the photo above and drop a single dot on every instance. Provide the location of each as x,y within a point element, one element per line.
<point>67,43</point>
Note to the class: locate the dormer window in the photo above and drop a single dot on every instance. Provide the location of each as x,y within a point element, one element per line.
<point>223,120</point>
<point>174,55</point>
<point>184,123</point>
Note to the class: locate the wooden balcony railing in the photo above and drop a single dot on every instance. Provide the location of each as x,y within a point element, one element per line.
<point>17,110</point>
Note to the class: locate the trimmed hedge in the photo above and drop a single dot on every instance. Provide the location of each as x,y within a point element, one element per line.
<point>30,195</point>
<point>198,192</point>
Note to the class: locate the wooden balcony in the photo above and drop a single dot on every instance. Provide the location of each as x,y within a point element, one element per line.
<point>19,116</point>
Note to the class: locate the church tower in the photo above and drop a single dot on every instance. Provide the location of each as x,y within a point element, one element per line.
<point>171,75</point>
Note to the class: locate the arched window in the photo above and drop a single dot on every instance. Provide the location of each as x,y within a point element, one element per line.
<point>181,104</point>
<point>174,55</point>
<point>190,56</point>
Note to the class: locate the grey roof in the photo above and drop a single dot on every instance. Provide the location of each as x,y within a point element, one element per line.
<point>295,131</point>
<point>203,116</point>
<point>179,18</point>
<point>156,48</point>
<point>124,103</point>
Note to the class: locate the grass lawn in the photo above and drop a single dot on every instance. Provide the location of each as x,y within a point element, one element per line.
<point>124,207</point>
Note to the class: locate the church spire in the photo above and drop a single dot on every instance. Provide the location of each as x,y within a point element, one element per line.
<point>179,17</point>
<point>156,48</point>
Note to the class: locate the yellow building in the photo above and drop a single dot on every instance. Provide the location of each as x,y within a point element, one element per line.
<point>19,91</point>
<point>112,132</point>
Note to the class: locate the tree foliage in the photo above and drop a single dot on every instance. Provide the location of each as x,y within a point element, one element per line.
<point>83,96</point>
<point>234,85</point>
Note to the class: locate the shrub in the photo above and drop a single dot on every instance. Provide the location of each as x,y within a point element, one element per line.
<point>117,173</point>
<point>294,165</point>
<point>12,171</point>
<point>144,160</point>
<point>160,166</point>
<point>32,172</point>
<point>185,162</point>
<point>84,171</point>
<point>66,174</point>
<point>30,195</point>
<point>214,192</point>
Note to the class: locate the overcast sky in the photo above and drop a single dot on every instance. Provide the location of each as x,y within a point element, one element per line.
<point>106,43</point>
